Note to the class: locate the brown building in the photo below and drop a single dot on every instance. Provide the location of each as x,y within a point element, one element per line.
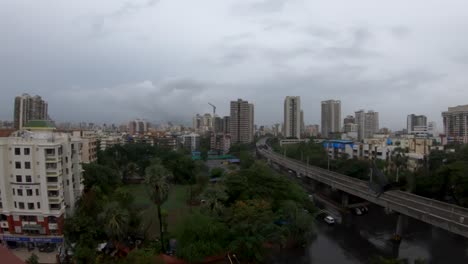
<point>241,123</point>
<point>29,108</point>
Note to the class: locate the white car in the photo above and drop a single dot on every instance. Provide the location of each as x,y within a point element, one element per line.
<point>329,220</point>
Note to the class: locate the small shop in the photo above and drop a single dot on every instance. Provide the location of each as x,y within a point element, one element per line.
<point>44,244</point>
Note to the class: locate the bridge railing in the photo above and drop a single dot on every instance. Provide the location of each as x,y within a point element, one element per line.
<point>422,208</point>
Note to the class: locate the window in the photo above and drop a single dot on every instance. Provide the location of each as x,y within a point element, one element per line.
<point>28,218</point>
<point>28,178</point>
<point>14,192</point>
<point>15,205</point>
<point>21,205</point>
<point>38,205</point>
<point>68,182</point>
<point>27,165</point>
<point>1,205</point>
<point>18,165</point>
<point>20,192</point>
<point>37,192</point>
<point>31,206</point>
<point>27,151</point>
<point>29,192</point>
<point>17,151</point>
<point>19,178</point>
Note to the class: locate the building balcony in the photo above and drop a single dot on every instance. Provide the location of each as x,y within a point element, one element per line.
<point>53,173</point>
<point>55,199</point>
<point>55,207</point>
<point>24,223</point>
<point>52,187</point>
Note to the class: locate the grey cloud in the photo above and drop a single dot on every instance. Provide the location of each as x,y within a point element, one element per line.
<point>259,6</point>
<point>400,31</point>
<point>100,22</point>
<point>167,64</point>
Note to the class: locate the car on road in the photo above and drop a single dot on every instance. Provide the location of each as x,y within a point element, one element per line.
<point>357,211</point>
<point>329,220</point>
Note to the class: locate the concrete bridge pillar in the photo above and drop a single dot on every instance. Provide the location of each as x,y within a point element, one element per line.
<point>344,199</point>
<point>401,222</point>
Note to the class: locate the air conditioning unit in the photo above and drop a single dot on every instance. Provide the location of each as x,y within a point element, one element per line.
<point>4,224</point>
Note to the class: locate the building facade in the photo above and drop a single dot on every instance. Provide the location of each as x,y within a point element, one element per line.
<point>367,123</point>
<point>292,117</point>
<point>40,182</point>
<point>456,124</point>
<point>416,124</point>
<point>331,117</point>
<point>28,108</point>
<point>190,141</point>
<point>241,125</point>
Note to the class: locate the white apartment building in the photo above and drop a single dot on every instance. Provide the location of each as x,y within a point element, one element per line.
<point>40,182</point>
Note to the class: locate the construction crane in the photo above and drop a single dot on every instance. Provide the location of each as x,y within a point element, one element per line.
<point>214,108</point>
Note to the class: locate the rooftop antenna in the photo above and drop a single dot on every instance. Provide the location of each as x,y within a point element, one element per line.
<point>214,108</point>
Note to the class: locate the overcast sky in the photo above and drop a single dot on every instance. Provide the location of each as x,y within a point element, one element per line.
<point>164,60</point>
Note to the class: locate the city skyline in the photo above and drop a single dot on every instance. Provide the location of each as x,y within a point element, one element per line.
<point>150,59</point>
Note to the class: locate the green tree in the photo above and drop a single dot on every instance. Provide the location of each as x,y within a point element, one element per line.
<point>157,181</point>
<point>33,259</point>
<point>131,170</point>
<point>115,221</point>
<point>200,236</point>
<point>214,196</point>
<point>251,225</point>
<point>299,223</point>
<point>101,176</point>
<point>217,172</point>
<point>382,260</point>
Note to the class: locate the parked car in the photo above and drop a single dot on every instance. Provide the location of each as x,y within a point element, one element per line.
<point>357,211</point>
<point>329,220</point>
<point>364,209</point>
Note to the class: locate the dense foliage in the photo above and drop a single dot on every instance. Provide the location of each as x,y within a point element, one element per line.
<point>246,211</point>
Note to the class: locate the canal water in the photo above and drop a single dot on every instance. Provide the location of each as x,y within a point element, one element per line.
<point>369,235</point>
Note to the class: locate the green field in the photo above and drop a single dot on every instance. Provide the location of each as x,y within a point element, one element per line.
<point>176,204</point>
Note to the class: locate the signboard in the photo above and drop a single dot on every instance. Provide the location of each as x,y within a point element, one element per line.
<point>34,239</point>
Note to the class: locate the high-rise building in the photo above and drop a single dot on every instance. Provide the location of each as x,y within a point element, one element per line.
<point>252,126</point>
<point>302,123</point>
<point>292,117</point>
<point>349,120</point>
<point>138,127</point>
<point>28,108</point>
<point>226,124</point>
<point>197,122</point>
<point>456,123</point>
<point>40,182</point>
<point>218,124</point>
<point>367,123</point>
<point>241,122</point>
<point>331,117</point>
<point>416,124</point>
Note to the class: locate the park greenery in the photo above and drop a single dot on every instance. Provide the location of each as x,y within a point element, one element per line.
<point>247,211</point>
<point>442,175</point>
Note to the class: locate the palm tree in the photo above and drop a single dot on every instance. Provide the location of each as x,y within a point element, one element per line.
<point>116,221</point>
<point>399,159</point>
<point>131,170</point>
<point>214,196</point>
<point>156,179</point>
